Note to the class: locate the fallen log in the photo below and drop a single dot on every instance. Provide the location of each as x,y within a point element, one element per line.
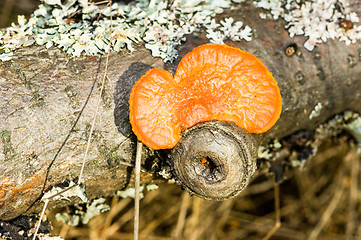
<point>42,92</point>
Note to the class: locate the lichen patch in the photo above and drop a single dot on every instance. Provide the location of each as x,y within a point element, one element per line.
<point>318,20</point>
<point>83,27</point>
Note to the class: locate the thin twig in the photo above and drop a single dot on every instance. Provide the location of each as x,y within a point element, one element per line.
<point>94,120</point>
<point>138,160</point>
<point>61,192</point>
<point>102,2</point>
<point>46,200</point>
<point>74,125</point>
<point>41,217</point>
<point>182,215</point>
<point>277,212</point>
<point>196,218</point>
<point>96,110</point>
<point>72,129</point>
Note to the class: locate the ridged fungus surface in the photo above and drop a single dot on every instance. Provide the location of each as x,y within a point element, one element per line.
<point>212,82</point>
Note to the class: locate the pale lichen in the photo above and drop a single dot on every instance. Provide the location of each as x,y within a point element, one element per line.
<point>71,220</point>
<point>316,111</point>
<point>152,187</point>
<point>227,29</point>
<point>93,209</point>
<point>48,237</point>
<point>82,26</point>
<point>130,192</point>
<point>350,121</point>
<point>354,128</point>
<point>57,193</point>
<point>318,20</point>
<point>264,153</point>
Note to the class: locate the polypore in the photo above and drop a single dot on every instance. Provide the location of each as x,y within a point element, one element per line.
<point>218,96</point>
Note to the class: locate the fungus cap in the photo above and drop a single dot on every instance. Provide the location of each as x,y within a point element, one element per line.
<point>212,82</point>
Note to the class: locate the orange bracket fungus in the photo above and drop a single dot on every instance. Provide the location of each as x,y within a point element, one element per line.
<point>218,96</point>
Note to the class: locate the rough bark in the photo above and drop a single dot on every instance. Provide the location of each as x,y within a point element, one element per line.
<point>42,91</point>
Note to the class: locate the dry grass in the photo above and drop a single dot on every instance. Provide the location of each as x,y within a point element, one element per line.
<point>319,202</point>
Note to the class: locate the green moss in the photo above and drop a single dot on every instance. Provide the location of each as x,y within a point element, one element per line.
<point>8,151</point>
<point>5,133</point>
<point>110,155</point>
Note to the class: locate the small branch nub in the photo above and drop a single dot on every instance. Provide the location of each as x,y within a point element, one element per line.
<point>215,160</point>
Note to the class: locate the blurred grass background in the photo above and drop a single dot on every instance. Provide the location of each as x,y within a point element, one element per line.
<point>319,202</point>
<point>10,9</point>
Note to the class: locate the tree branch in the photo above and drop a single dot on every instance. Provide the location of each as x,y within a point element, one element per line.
<point>42,91</point>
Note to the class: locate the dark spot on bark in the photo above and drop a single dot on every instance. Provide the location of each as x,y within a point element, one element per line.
<point>128,177</point>
<point>76,66</point>
<point>299,77</point>
<point>63,184</point>
<point>255,34</point>
<point>72,95</point>
<point>351,60</point>
<point>290,49</point>
<point>121,95</point>
<point>321,74</point>
<point>31,157</point>
<point>299,144</point>
<point>317,54</point>
<point>329,104</point>
<point>37,100</point>
<point>318,63</point>
<point>113,162</point>
<point>277,28</point>
<point>279,56</point>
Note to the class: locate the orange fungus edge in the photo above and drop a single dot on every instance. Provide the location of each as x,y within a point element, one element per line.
<point>148,141</point>
<point>277,113</point>
<point>171,141</point>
